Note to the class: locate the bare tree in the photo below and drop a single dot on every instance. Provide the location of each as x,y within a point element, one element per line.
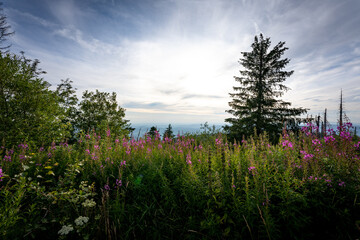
<point>5,31</point>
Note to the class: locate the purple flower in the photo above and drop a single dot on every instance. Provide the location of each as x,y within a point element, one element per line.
<point>287,144</point>
<point>7,158</point>
<point>252,170</point>
<point>106,187</point>
<point>23,146</point>
<point>188,159</point>
<point>118,183</point>
<point>128,151</point>
<point>94,157</point>
<point>329,139</point>
<point>1,174</point>
<point>342,184</point>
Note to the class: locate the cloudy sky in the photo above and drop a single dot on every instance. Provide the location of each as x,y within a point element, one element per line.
<point>173,61</point>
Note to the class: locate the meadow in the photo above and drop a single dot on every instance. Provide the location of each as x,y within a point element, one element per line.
<point>190,187</point>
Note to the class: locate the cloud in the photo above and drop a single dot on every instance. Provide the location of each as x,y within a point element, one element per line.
<point>151,105</point>
<point>187,96</point>
<point>14,13</point>
<point>178,57</point>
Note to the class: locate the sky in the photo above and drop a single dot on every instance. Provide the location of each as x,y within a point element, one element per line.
<point>174,61</point>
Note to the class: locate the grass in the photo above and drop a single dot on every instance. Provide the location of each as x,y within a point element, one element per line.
<point>190,187</point>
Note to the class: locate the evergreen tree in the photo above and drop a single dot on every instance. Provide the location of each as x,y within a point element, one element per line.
<point>153,132</point>
<point>169,132</point>
<point>256,103</point>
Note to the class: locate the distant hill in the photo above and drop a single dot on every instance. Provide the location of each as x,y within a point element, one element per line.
<point>142,128</point>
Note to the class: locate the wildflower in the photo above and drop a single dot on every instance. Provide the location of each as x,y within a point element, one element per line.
<point>342,184</point>
<point>118,183</point>
<point>106,187</point>
<point>316,142</point>
<point>287,144</point>
<point>128,151</point>
<point>87,151</point>
<point>108,132</point>
<point>233,186</point>
<point>1,174</point>
<point>188,159</point>
<point>94,157</point>
<point>252,170</point>
<point>65,229</point>
<point>89,203</point>
<point>7,158</point>
<point>81,221</point>
<point>307,156</point>
<point>23,146</point>
<point>329,139</point>
<point>96,147</point>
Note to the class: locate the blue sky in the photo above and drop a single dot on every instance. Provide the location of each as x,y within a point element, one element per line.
<point>173,61</point>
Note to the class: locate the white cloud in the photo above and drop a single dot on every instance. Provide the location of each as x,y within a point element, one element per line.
<point>193,51</point>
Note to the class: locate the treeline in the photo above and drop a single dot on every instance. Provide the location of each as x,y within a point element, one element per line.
<point>33,113</point>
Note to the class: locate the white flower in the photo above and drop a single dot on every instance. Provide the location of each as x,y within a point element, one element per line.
<point>89,203</point>
<point>81,221</point>
<point>65,229</point>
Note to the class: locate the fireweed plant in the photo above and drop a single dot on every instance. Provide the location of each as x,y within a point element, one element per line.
<point>188,187</point>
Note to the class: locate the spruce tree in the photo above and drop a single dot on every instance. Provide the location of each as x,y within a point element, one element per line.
<point>169,132</point>
<point>256,103</point>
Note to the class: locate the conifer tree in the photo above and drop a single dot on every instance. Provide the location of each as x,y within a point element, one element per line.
<point>169,132</point>
<point>256,103</point>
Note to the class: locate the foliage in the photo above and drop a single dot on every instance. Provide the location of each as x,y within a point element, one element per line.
<point>255,103</point>
<point>29,109</point>
<point>68,101</point>
<point>304,187</point>
<point>99,111</point>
